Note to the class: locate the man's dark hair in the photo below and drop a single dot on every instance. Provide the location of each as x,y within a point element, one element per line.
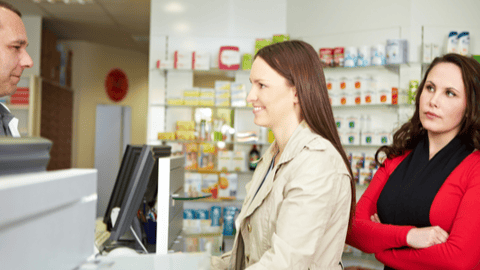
<point>10,7</point>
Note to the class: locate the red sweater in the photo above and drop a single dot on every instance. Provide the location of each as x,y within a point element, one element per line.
<point>456,209</point>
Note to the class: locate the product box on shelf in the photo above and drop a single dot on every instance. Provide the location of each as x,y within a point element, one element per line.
<point>200,61</point>
<point>164,64</point>
<point>170,136</point>
<point>338,57</point>
<point>210,184</point>
<point>397,51</point>
<point>238,95</point>
<point>280,38</point>
<point>383,138</point>
<point>352,137</point>
<point>225,161</point>
<point>363,56</point>
<point>378,55</point>
<point>368,138</point>
<point>247,60</point>
<point>240,161</point>
<point>193,184</point>
<point>229,58</point>
<point>175,101</point>
<point>365,177</point>
<point>350,59</point>
<point>261,42</point>
<point>206,157</point>
<point>182,60</point>
<point>191,153</point>
<point>227,185</point>
<point>326,56</point>
<point>185,125</point>
<point>187,135</point>
<point>427,53</point>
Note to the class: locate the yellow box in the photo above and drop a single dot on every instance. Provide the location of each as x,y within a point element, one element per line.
<point>185,135</point>
<point>206,102</point>
<point>191,93</point>
<point>166,136</point>
<point>185,125</point>
<point>224,102</point>
<point>175,101</point>
<point>191,101</point>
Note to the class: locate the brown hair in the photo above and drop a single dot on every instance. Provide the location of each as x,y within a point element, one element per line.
<point>10,7</point>
<point>299,63</point>
<point>410,133</point>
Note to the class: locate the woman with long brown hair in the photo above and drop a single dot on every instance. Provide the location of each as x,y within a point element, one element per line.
<point>421,209</point>
<point>301,198</point>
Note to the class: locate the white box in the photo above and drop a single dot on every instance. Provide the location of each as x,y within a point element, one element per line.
<point>427,53</point>
<point>397,51</point>
<point>435,50</point>
<point>228,185</point>
<point>193,184</point>
<point>240,161</point>
<point>225,161</point>
<point>182,60</point>
<point>352,137</point>
<point>200,61</point>
<point>164,64</point>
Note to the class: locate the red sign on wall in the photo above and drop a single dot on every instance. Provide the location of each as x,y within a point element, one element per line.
<point>116,85</point>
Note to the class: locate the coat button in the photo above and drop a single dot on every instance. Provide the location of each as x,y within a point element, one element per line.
<point>249,227</point>
<point>247,259</point>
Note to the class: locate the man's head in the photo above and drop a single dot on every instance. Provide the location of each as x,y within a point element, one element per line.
<point>13,43</point>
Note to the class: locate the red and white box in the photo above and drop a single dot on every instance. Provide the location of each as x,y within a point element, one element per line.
<point>326,56</point>
<point>164,64</point>
<point>229,58</point>
<point>182,60</point>
<point>200,61</point>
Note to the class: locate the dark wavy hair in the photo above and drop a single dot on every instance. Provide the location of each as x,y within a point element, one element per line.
<point>299,63</point>
<point>410,133</point>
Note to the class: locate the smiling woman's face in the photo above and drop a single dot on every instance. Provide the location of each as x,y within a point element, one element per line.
<point>443,101</point>
<point>273,99</point>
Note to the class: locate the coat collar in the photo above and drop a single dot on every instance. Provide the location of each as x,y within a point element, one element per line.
<point>302,137</point>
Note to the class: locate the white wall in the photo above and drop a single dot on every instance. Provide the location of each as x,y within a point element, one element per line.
<point>204,28</point>
<point>33,25</point>
<point>91,63</point>
<point>327,22</point>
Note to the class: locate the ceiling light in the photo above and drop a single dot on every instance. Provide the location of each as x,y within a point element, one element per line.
<point>174,7</point>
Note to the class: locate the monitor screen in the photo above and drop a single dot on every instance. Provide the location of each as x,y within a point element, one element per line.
<point>24,155</point>
<point>134,183</point>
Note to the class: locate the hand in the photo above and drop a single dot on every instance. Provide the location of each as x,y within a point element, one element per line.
<point>426,237</point>
<point>375,218</point>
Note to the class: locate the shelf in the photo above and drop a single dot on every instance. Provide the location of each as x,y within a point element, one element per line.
<point>185,197</point>
<point>364,145</point>
<point>216,171</point>
<point>392,67</point>
<point>197,141</point>
<point>200,106</point>
<point>373,106</point>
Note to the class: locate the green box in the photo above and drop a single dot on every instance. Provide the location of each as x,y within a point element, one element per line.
<point>280,38</point>
<point>247,60</point>
<point>260,43</point>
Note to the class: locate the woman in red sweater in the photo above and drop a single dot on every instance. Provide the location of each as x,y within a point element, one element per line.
<point>422,208</point>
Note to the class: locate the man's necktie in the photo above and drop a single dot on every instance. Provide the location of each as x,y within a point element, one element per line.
<point>5,118</point>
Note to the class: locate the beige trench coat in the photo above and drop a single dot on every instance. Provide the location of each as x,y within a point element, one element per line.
<point>299,218</point>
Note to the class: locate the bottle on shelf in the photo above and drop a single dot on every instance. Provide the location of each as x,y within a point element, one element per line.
<point>253,156</point>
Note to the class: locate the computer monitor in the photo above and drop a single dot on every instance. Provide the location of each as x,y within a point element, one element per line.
<point>135,182</point>
<point>24,155</point>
